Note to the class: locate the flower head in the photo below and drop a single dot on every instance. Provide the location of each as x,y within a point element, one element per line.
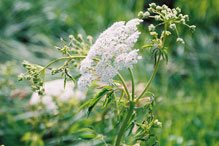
<point>115,41</point>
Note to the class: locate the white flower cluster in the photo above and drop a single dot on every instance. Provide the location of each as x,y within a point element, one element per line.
<point>111,52</point>
<point>55,91</point>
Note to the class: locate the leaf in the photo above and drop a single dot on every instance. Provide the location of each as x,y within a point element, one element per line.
<point>95,100</point>
<point>166,54</point>
<point>108,98</point>
<point>87,136</point>
<point>69,75</point>
<point>86,130</point>
<point>131,126</point>
<point>86,103</point>
<point>146,46</point>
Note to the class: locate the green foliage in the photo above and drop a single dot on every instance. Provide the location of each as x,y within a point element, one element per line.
<point>186,89</point>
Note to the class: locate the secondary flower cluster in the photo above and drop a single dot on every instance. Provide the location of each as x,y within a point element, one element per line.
<point>167,16</point>
<point>55,91</point>
<point>77,45</point>
<point>111,52</point>
<point>33,75</point>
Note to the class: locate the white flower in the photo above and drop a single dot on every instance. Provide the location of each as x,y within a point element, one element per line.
<point>127,59</point>
<point>85,80</point>
<point>113,42</point>
<point>35,99</point>
<point>55,91</point>
<point>49,103</point>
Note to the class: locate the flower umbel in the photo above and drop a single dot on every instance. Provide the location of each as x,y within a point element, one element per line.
<point>113,50</point>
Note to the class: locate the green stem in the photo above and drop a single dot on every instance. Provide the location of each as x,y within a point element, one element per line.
<point>133,83</point>
<point>125,123</point>
<point>63,58</point>
<point>156,65</point>
<point>124,85</point>
<point>150,80</point>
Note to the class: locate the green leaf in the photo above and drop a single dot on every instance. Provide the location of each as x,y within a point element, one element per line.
<point>69,75</point>
<point>87,136</point>
<point>86,130</point>
<point>95,100</point>
<point>108,98</point>
<point>85,104</point>
<point>146,46</point>
<point>166,54</point>
<point>131,126</point>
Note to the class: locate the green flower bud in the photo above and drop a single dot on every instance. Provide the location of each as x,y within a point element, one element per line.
<point>157,123</point>
<point>146,14</point>
<point>20,77</point>
<point>152,5</point>
<point>158,8</point>
<point>154,33</point>
<point>151,27</point>
<point>173,26</point>
<point>140,14</point>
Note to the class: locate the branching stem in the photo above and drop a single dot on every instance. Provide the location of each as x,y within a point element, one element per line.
<point>124,85</point>
<point>63,58</point>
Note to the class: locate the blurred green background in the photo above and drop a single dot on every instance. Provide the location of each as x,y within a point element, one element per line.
<point>186,88</point>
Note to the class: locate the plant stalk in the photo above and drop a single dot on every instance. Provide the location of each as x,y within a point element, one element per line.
<point>133,83</point>
<point>125,123</point>
<point>124,85</point>
<point>156,65</point>
<point>63,58</point>
<point>150,80</point>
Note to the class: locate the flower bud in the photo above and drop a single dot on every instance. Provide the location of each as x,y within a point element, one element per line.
<point>158,8</point>
<point>153,33</point>
<point>173,26</point>
<point>71,37</point>
<point>192,27</point>
<point>146,14</point>
<point>178,9</point>
<point>151,27</point>
<point>20,77</point>
<point>157,123</point>
<point>152,5</point>
<point>157,17</point>
<point>140,14</point>
<point>180,40</point>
